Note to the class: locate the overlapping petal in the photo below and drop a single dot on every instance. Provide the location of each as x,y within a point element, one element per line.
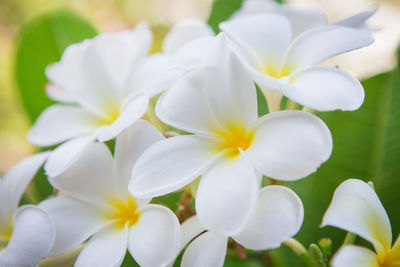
<point>106,248</point>
<point>358,20</point>
<point>74,222</point>
<point>231,92</point>
<point>192,54</point>
<point>66,154</point>
<point>278,216</point>
<point>354,256</point>
<point>289,145</point>
<point>153,75</point>
<point>184,32</point>
<point>325,89</point>
<point>185,106</point>
<point>32,238</point>
<point>227,195</point>
<point>101,72</point>
<point>15,182</point>
<point>129,146</point>
<point>209,249</point>
<point>59,123</point>
<point>115,64</point>
<point>264,38</point>
<point>301,19</point>
<point>316,45</point>
<point>59,94</point>
<point>355,207</point>
<point>155,239</point>
<point>91,177</point>
<point>65,74</point>
<point>190,228</point>
<point>170,164</point>
<point>134,108</point>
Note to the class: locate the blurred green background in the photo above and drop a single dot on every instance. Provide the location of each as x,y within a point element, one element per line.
<point>33,33</point>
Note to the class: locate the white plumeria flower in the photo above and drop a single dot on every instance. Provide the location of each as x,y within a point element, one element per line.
<point>190,40</point>
<point>281,64</point>
<point>230,145</point>
<point>356,208</point>
<point>26,233</point>
<point>107,82</point>
<point>95,203</point>
<point>278,216</point>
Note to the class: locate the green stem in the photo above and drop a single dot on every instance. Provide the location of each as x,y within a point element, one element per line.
<point>273,99</point>
<point>300,251</point>
<point>349,239</point>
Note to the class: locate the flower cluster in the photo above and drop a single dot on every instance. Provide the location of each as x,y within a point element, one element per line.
<point>206,86</point>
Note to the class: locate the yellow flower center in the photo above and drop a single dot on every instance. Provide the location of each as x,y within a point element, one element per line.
<point>124,211</point>
<point>277,73</point>
<point>392,259</point>
<point>234,139</point>
<point>112,114</point>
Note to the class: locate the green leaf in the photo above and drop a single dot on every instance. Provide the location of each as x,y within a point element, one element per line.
<point>366,146</point>
<point>129,261</point>
<point>221,11</point>
<point>170,200</point>
<point>39,43</point>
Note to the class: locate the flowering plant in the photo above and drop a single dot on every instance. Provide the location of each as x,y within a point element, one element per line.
<point>212,150</point>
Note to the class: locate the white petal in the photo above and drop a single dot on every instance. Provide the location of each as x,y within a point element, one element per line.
<point>325,89</point>
<point>91,177</point>
<point>129,146</point>
<point>356,208</point>
<point>66,74</point>
<point>31,240</point>
<point>230,90</point>
<point>208,249</point>
<point>66,154</point>
<point>153,76</point>
<point>301,19</point>
<point>354,256</point>
<point>170,164</point>
<point>123,50</point>
<point>106,248</point>
<point>184,32</point>
<point>59,93</point>
<point>358,20</point>
<point>185,106</point>
<point>190,229</point>
<point>155,239</point>
<point>278,217</point>
<point>106,65</point>
<point>59,123</point>
<point>135,107</point>
<point>227,195</point>
<point>192,55</point>
<point>265,82</point>
<point>263,38</point>
<point>74,222</point>
<point>251,7</point>
<point>289,145</point>
<point>324,42</point>
<point>14,183</point>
